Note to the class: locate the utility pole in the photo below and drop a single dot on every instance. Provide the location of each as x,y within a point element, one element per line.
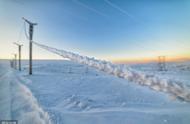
<point>15,63</point>
<point>31,26</point>
<point>11,63</point>
<point>19,53</point>
<point>162,63</point>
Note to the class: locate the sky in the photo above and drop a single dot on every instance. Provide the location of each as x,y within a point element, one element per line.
<point>114,30</point>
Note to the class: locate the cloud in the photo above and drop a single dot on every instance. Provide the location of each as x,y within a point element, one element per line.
<point>118,8</point>
<point>89,8</point>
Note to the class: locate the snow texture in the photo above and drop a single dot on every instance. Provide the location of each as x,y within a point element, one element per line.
<point>17,101</point>
<point>176,89</point>
<point>73,94</point>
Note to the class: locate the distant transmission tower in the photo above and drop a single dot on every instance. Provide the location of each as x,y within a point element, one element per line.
<point>161,63</point>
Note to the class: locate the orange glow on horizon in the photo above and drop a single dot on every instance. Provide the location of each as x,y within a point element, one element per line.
<point>150,59</point>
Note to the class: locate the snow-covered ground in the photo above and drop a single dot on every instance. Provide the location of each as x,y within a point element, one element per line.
<point>175,88</point>
<point>17,101</point>
<point>178,71</point>
<point>69,93</point>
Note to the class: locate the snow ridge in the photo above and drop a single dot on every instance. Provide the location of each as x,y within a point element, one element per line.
<point>25,107</point>
<point>176,89</point>
<point>5,97</point>
<point>18,103</point>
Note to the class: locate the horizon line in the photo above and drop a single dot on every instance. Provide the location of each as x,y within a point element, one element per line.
<point>123,60</point>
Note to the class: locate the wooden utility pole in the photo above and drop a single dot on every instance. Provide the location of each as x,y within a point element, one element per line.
<point>19,53</point>
<point>31,26</point>
<point>162,63</point>
<point>15,61</point>
<point>11,63</point>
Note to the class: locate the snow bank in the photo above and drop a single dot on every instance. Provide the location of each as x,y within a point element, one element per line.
<point>17,101</point>
<point>5,99</point>
<point>25,107</point>
<point>176,89</point>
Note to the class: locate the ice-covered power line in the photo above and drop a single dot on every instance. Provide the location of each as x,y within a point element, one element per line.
<point>25,31</point>
<point>20,32</point>
<point>176,89</point>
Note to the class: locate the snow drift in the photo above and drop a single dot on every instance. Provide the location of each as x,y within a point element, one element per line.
<point>5,97</point>
<point>176,89</point>
<point>18,103</point>
<point>25,107</point>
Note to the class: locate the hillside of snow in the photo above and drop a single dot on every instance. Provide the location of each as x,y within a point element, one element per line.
<point>64,92</point>
<point>73,93</point>
<point>178,71</point>
<point>175,88</point>
<point>17,101</point>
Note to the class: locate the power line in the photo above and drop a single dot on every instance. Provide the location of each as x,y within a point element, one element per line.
<point>20,32</point>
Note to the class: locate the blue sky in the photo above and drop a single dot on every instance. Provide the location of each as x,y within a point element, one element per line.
<point>106,29</point>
